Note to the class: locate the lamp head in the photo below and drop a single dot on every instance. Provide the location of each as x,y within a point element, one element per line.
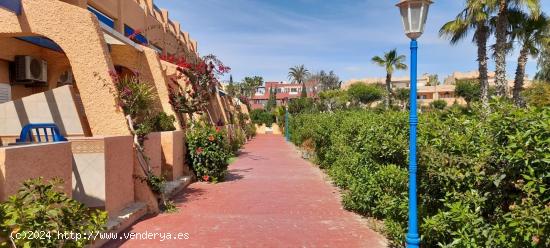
<point>414,14</point>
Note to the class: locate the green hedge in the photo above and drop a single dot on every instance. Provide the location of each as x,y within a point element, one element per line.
<point>484,181</point>
<point>260,116</point>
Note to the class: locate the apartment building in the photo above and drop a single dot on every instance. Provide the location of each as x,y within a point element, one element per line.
<point>430,91</point>
<point>56,67</point>
<point>284,92</point>
<point>427,91</point>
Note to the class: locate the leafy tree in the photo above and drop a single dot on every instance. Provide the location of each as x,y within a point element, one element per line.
<point>476,16</point>
<point>365,93</point>
<point>543,63</point>
<point>391,62</point>
<point>503,7</point>
<point>334,99</point>
<point>402,94</point>
<point>468,89</point>
<point>249,85</point>
<point>433,80</point>
<point>326,81</point>
<point>298,74</point>
<point>531,33</point>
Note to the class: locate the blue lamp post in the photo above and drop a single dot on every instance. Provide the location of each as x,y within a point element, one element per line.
<point>414,14</point>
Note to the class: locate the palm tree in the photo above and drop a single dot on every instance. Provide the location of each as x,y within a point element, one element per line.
<point>475,16</point>
<point>502,7</point>
<point>531,33</point>
<point>298,74</point>
<point>391,61</point>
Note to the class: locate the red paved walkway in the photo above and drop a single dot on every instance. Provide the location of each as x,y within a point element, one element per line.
<point>273,198</point>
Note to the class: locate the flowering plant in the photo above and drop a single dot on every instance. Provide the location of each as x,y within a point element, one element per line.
<point>208,152</point>
<point>203,76</point>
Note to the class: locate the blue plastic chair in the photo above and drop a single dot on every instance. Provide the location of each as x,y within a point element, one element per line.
<point>27,135</point>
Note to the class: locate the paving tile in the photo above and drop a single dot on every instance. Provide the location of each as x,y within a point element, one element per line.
<point>272,198</point>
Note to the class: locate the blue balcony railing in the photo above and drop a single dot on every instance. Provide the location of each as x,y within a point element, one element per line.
<point>40,133</point>
<point>12,5</point>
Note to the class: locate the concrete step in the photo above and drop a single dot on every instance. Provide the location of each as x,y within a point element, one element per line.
<point>174,187</point>
<point>124,219</point>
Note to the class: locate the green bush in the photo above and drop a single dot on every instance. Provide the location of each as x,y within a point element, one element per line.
<point>260,116</point>
<point>208,151</point>
<point>163,122</point>
<point>300,105</point>
<point>438,104</point>
<point>365,93</point>
<point>484,180</point>
<point>39,212</point>
<point>538,94</point>
<point>250,130</point>
<point>238,138</point>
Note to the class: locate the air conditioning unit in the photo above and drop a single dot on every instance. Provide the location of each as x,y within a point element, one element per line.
<point>30,70</point>
<point>66,78</point>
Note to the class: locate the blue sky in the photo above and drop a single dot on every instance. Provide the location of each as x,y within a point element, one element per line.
<point>267,37</point>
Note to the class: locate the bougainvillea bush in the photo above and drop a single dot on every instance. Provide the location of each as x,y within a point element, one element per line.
<point>484,180</point>
<point>208,152</point>
<point>202,75</point>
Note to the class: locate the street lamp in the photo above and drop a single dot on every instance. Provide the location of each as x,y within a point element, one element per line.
<point>414,14</point>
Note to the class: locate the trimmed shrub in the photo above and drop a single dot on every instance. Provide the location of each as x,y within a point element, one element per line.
<point>260,116</point>
<point>483,180</point>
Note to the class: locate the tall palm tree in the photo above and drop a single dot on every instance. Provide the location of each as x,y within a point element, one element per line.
<point>391,61</point>
<point>475,16</point>
<point>502,7</point>
<point>531,33</point>
<point>298,74</point>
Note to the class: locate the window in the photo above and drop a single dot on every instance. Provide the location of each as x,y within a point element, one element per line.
<point>293,90</point>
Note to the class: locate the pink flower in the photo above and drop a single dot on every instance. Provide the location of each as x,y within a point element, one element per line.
<point>535,239</point>
<point>205,178</point>
<point>199,150</point>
